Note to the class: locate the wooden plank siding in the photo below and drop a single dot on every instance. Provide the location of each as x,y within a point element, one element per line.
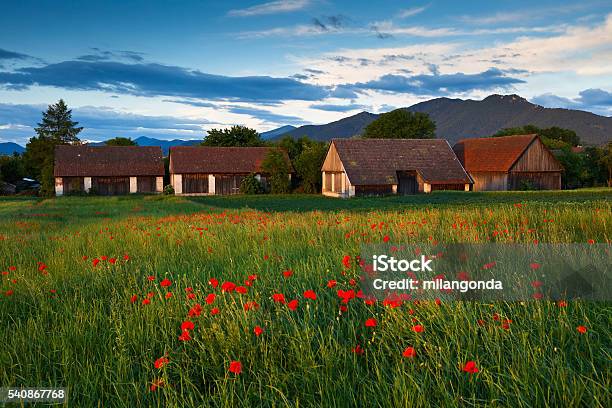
<point>490,181</point>
<point>536,168</point>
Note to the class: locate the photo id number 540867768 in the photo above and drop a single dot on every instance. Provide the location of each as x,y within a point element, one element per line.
<point>32,394</point>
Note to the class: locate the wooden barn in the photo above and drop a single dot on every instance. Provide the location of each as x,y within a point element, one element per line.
<point>357,167</point>
<point>108,170</point>
<point>509,163</point>
<point>202,170</point>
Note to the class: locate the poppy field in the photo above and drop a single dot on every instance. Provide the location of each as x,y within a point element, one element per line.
<point>255,301</point>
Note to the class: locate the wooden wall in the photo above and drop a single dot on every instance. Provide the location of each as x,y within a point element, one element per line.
<point>332,161</point>
<point>536,158</point>
<point>490,181</point>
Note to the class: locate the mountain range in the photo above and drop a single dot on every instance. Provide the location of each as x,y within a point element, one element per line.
<point>455,119</point>
<point>458,119</point>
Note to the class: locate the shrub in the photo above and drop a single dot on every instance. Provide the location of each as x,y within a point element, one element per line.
<point>168,190</point>
<point>277,168</point>
<point>250,185</point>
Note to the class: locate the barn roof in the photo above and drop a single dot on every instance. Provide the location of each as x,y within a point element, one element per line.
<point>492,153</point>
<point>377,161</point>
<point>108,161</point>
<point>204,159</point>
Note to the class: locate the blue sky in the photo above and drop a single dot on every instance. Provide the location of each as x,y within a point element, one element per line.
<point>175,69</point>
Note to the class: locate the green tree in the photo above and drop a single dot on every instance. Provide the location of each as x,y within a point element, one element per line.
<point>250,185</point>
<point>120,141</point>
<point>55,128</point>
<point>277,169</point>
<point>12,168</point>
<point>553,137</point>
<point>308,165</point>
<point>401,124</point>
<point>606,161</point>
<point>241,136</point>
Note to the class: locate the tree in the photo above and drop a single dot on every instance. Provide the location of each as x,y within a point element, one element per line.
<point>121,141</point>
<point>277,169</point>
<point>401,124</point>
<point>251,185</point>
<point>553,137</point>
<point>12,168</point>
<point>56,128</point>
<point>308,165</point>
<point>235,136</point>
<point>606,160</point>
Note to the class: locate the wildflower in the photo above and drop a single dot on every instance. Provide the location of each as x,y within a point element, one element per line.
<point>134,298</point>
<point>112,260</point>
<point>310,294</point>
<point>146,301</point>
<point>235,367</point>
<point>386,239</point>
<point>168,295</point>
<point>151,278</point>
<point>187,325</point>
<point>409,352</point>
<point>160,362</point>
<point>12,268</point>
<point>214,311</point>
<point>257,330</point>
<point>95,262</point>
<point>165,283</point>
<point>418,328</point>
<point>287,273</point>
<point>371,323</point>
<point>331,283</point>
<point>358,349</point>
<point>191,296</point>
<point>470,367</point>
<point>241,289</point>
<point>581,329</point>
<point>228,287</point>
<point>213,282</point>
<point>346,261</point>
<point>251,305</point>
<point>196,310</point>
<point>562,303</point>
<point>278,298</point>
<point>293,304</point>
<point>210,298</point>
<point>185,336</point>
<point>157,383</point>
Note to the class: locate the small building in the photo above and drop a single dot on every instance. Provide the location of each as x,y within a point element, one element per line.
<point>108,170</point>
<point>509,163</point>
<point>204,170</point>
<point>357,167</point>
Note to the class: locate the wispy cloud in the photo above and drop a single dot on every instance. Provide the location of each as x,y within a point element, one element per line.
<point>272,7</point>
<point>413,11</point>
<point>7,55</point>
<point>337,108</point>
<point>594,100</point>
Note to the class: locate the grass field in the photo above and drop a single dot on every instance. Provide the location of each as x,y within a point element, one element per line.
<point>95,292</point>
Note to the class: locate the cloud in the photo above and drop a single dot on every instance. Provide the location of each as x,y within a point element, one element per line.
<point>338,108</point>
<point>593,100</point>
<point>17,122</point>
<point>440,84</point>
<point>107,55</point>
<point>266,115</point>
<point>272,7</point>
<point>413,11</point>
<point>8,55</point>
<point>159,80</point>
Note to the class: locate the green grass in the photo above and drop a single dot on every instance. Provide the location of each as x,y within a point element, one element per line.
<point>90,337</point>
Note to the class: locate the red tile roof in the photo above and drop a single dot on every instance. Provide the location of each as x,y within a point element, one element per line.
<point>377,161</point>
<point>210,160</point>
<point>108,161</point>
<point>496,154</point>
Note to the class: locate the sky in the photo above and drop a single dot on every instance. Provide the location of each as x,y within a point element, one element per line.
<point>175,69</point>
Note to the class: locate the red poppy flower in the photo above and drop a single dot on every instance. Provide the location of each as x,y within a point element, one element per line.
<point>168,295</point>
<point>418,328</point>
<point>371,323</point>
<point>165,283</point>
<point>386,239</point>
<point>150,295</point>
<point>251,306</point>
<point>187,325</point>
<point>409,352</point>
<point>210,298</point>
<point>146,301</point>
<point>126,257</point>
<point>95,262</point>
<point>228,287</point>
<point>537,295</point>
<point>151,278</point>
<point>470,367</point>
<point>252,277</point>
<point>331,283</point>
<point>310,294</point>
<point>287,273</point>
<point>293,304</point>
<point>358,349</point>
<point>104,257</point>
<point>214,311</point>
<point>191,296</point>
<point>536,284</point>
<point>196,310</point>
<point>346,261</point>
<point>112,260</point>
<point>189,289</point>
<point>235,367</point>
<point>562,303</point>
<point>134,298</point>
<point>185,336</point>
<point>481,322</point>
<point>8,292</point>
<point>534,265</point>
<point>241,289</point>
<point>581,329</point>
<point>157,383</point>
<point>343,308</point>
<point>160,362</point>
<point>257,330</point>
<point>213,282</point>
<point>278,298</point>
<point>591,241</point>
<point>12,268</point>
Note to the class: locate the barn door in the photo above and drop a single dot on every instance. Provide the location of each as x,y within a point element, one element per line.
<point>111,185</point>
<point>407,183</point>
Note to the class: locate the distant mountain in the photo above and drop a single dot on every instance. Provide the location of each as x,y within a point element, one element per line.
<point>457,119</point>
<point>271,134</point>
<point>8,148</point>
<point>165,144</point>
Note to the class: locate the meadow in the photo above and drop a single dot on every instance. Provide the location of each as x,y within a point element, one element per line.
<point>254,301</point>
